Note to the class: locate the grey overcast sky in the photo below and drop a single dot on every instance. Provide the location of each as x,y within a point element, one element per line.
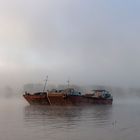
<point>87,41</point>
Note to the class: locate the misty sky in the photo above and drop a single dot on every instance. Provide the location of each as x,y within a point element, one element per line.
<point>86,41</point>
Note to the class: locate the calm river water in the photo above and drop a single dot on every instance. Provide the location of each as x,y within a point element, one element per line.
<point>19,121</point>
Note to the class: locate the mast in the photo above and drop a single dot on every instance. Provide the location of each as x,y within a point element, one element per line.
<point>45,83</point>
<point>47,91</point>
<point>68,83</point>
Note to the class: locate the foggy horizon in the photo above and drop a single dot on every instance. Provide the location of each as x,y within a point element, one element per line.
<point>88,42</point>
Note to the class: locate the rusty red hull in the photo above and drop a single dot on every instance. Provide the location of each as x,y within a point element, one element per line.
<point>61,99</point>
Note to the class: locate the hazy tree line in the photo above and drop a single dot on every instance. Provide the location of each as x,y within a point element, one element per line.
<point>117,92</point>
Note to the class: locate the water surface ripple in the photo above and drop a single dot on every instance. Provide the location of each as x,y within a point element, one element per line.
<point>120,121</point>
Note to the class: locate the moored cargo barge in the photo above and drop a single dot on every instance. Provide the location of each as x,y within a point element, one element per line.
<point>68,97</point>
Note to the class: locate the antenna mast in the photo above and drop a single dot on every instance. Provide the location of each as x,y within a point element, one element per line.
<point>45,83</point>
<point>68,83</point>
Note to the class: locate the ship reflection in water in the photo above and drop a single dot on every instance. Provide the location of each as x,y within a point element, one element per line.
<point>64,122</point>
<point>119,121</point>
<point>98,122</point>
